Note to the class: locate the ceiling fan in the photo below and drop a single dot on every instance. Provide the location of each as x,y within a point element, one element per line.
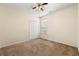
<point>39,6</point>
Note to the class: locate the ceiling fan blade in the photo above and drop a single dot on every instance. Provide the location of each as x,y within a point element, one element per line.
<point>44,3</point>
<point>33,7</point>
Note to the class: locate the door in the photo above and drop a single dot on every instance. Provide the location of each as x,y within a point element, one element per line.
<point>34,29</point>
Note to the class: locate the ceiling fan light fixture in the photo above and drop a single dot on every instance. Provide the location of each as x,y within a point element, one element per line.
<point>39,6</point>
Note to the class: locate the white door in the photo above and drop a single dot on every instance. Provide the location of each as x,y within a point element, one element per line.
<point>34,29</point>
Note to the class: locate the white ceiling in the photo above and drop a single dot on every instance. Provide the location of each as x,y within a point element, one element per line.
<point>51,7</point>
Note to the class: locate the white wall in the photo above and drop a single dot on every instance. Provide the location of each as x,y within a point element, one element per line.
<point>14,25</point>
<point>78,26</point>
<point>62,25</point>
<point>43,28</point>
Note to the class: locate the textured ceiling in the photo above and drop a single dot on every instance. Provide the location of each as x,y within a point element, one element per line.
<point>51,7</point>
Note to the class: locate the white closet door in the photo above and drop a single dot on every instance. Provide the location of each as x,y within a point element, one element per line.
<point>34,29</point>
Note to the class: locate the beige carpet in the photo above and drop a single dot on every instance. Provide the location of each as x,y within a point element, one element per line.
<point>39,47</point>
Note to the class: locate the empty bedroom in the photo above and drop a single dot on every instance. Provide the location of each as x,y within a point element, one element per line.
<point>39,29</point>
